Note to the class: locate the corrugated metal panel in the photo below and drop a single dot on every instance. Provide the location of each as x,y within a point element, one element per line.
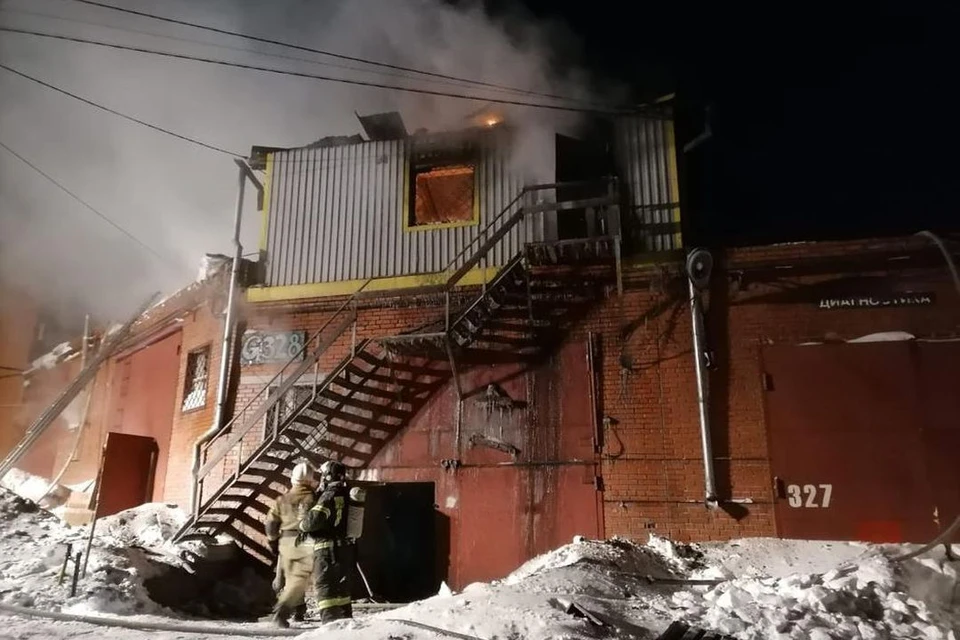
<point>336,214</point>
<point>644,153</point>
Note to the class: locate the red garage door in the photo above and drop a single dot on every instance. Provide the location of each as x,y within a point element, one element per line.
<point>857,436</point>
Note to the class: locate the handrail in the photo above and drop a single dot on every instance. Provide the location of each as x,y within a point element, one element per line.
<point>282,387</point>
<point>492,239</point>
<point>244,465</point>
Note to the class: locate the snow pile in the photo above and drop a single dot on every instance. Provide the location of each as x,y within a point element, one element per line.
<point>35,488</point>
<point>33,546</point>
<point>750,589</point>
<point>865,599</point>
<point>150,525</point>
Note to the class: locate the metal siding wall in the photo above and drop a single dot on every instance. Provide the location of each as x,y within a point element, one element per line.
<point>642,153</point>
<point>336,214</point>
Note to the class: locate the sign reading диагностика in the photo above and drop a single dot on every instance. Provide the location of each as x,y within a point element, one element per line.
<point>912,299</point>
<point>261,347</point>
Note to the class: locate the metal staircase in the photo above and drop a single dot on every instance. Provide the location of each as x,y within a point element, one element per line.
<point>373,392</point>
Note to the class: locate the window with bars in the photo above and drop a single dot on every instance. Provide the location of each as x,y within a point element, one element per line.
<point>285,407</point>
<point>196,378</point>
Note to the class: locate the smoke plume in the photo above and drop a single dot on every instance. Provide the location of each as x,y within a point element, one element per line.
<point>177,198</point>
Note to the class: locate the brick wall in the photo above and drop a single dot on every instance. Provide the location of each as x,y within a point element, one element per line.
<point>200,328</point>
<point>651,460</point>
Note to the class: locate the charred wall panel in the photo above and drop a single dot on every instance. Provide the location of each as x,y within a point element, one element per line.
<point>337,213</point>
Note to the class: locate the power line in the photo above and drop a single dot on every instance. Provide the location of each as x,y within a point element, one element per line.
<point>90,207</point>
<point>340,56</point>
<point>118,113</point>
<point>312,76</point>
<point>266,54</point>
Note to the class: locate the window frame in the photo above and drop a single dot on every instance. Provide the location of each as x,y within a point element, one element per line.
<point>186,389</point>
<point>451,157</point>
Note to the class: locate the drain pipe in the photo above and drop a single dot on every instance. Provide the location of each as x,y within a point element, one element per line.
<point>699,266</point>
<point>229,325</point>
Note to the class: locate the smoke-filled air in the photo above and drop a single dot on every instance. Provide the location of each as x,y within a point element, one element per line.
<point>169,201</point>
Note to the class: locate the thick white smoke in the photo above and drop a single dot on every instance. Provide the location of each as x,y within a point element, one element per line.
<point>178,198</point>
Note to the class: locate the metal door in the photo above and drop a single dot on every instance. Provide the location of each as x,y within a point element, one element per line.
<point>126,473</point>
<point>845,442</point>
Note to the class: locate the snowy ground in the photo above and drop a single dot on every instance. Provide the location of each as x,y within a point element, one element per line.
<point>751,589</point>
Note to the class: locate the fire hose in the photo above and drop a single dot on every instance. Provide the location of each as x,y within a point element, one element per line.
<point>149,625</point>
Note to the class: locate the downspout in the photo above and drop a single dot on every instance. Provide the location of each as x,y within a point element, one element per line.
<point>698,272</point>
<point>229,326</point>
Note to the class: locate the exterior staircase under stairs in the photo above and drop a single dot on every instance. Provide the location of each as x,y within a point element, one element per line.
<point>374,391</point>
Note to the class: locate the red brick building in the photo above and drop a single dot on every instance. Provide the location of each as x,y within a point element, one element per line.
<point>510,367</point>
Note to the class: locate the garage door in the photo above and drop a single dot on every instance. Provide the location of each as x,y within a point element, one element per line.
<point>857,435</point>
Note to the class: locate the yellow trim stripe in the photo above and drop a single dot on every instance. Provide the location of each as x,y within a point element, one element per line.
<point>673,180</point>
<point>327,603</point>
<point>265,215</point>
<point>348,287</point>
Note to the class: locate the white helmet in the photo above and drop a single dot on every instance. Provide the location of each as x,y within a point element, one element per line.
<point>303,473</point>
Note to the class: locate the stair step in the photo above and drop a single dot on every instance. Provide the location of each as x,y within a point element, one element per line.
<point>352,418</point>
<point>305,420</point>
<point>283,446</point>
<point>346,452</point>
<point>414,388</point>
<point>508,341</point>
<point>247,542</point>
<point>403,367</point>
<point>372,407</point>
<point>279,463</point>
<point>239,515</point>
<point>266,490</point>
<point>371,390</point>
<point>359,436</point>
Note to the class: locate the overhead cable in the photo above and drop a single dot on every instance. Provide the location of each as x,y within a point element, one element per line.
<point>267,54</point>
<point>118,113</point>
<point>332,54</point>
<point>312,76</point>
<point>86,204</point>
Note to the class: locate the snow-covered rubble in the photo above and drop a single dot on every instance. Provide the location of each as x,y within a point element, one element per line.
<point>125,553</point>
<point>754,588</point>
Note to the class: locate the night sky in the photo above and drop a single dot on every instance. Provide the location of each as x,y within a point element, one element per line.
<point>838,123</point>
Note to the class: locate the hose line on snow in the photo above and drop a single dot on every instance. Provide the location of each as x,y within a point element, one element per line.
<point>146,625</point>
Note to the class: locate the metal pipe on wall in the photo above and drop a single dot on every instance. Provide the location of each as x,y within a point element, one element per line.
<point>229,325</point>
<point>703,394</point>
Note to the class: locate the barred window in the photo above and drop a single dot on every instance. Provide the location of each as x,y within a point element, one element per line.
<point>283,409</point>
<point>443,195</point>
<point>195,380</point>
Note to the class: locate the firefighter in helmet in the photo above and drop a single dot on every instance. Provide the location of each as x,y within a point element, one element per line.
<point>325,526</point>
<point>295,561</point>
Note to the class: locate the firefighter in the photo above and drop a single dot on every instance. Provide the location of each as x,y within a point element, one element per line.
<point>325,526</point>
<point>294,560</point>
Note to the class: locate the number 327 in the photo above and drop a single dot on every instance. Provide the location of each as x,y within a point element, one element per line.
<point>811,496</point>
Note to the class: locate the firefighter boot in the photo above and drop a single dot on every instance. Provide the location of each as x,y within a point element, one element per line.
<point>300,613</point>
<point>281,617</point>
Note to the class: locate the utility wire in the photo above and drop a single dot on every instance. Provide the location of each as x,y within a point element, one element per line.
<point>340,56</point>
<point>86,204</point>
<point>117,113</point>
<point>266,54</point>
<point>312,76</point>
